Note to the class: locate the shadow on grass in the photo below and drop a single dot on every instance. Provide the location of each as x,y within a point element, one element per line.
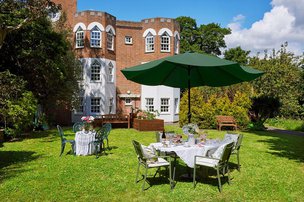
<point>11,162</point>
<point>283,145</point>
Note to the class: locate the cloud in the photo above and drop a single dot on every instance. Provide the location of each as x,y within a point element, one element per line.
<point>284,22</point>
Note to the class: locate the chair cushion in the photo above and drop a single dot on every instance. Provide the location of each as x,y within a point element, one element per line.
<point>158,163</point>
<point>149,153</point>
<point>230,137</point>
<point>219,151</point>
<point>206,162</point>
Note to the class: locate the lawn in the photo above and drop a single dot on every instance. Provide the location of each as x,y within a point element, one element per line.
<point>288,124</point>
<point>31,169</point>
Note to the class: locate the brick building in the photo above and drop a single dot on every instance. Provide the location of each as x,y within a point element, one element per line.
<point>105,45</point>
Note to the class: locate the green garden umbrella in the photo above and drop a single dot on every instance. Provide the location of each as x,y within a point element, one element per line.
<point>190,70</point>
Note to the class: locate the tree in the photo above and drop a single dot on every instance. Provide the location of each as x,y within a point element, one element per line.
<point>282,79</point>
<point>17,105</point>
<point>237,55</point>
<point>211,38</point>
<point>44,59</point>
<point>205,39</point>
<point>16,13</point>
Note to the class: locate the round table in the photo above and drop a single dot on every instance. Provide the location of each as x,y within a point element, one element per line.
<point>84,142</point>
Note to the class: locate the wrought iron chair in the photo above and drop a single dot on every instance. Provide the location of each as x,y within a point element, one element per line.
<point>150,161</point>
<point>101,135</point>
<point>219,162</point>
<point>64,141</point>
<point>78,126</point>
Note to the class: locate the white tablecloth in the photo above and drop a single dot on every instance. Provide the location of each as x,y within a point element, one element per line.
<point>84,142</point>
<point>186,153</point>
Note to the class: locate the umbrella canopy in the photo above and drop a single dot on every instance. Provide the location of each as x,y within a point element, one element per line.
<point>190,70</point>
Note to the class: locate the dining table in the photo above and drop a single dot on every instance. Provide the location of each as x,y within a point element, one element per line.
<point>185,151</point>
<point>84,142</point>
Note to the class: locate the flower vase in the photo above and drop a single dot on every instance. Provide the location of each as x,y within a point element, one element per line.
<point>191,139</point>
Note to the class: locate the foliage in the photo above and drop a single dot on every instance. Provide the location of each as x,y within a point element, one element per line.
<point>44,59</point>
<point>270,162</point>
<point>16,13</point>
<point>263,108</point>
<point>205,38</point>
<point>204,107</point>
<point>282,79</point>
<point>237,55</point>
<point>17,105</point>
<point>287,124</point>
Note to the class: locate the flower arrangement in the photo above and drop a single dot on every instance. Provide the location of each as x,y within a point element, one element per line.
<point>87,122</point>
<point>149,115</point>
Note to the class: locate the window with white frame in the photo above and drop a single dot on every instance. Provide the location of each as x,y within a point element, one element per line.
<point>164,105</point>
<point>150,104</point>
<point>176,44</point>
<point>128,101</point>
<point>110,40</point>
<point>165,42</point>
<point>79,38</point>
<point>81,65</point>
<point>95,105</point>
<point>128,40</point>
<point>111,103</point>
<point>95,37</point>
<point>149,42</point>
<point>95,71</point>
<point>176,108</point>
<point>110,72</point>
<point>80,106</point>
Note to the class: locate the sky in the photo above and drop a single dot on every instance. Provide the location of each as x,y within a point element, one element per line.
<point>256,25</point>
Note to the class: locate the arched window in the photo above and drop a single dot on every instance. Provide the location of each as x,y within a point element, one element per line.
<point>110,72</point>
<point>79,37</point>
<point>110,40</point>
<point>96,71</point>
<point>95,37</point>
<point>165,42</point>
<point>149,42</point>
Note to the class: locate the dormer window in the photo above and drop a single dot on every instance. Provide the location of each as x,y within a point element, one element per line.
<point>110,40</point>
<point>165,42</point>
<point>96,37</point>
<point>79,38</point>
<point>149,42</point>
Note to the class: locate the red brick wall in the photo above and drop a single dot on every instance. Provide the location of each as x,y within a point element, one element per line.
<point>131,55</point>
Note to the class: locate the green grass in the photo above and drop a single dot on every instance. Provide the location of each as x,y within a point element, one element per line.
<point>287,124</point>
<point>31,170</point>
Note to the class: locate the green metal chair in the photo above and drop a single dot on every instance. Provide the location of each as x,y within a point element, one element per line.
<point>64,141</point>
<point>236,150</point>
<point>148,162</point>
<point>219,162</point>
<point>101,135</point>
<point>78,126</point>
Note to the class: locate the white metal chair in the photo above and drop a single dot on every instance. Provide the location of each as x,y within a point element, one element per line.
<point>151,161</point>
<point>218,161</point>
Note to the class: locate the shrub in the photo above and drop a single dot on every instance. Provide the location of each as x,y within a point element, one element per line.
<point>204,108</point>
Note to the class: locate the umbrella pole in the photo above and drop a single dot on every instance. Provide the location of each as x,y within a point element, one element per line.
<point>189,97</point>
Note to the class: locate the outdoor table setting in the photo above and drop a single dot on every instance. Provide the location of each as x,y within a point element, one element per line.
<point>85,138</point>
<point>185,150</point>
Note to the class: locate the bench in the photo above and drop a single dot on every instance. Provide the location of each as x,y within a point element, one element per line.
<point>225,121</point>
<point>112,118</point>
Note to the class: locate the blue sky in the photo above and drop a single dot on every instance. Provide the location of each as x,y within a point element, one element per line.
<point>256,25</point>
<point>204,11</point>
